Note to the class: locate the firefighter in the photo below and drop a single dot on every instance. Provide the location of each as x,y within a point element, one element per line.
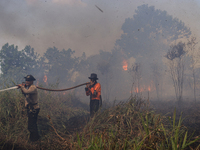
<point>31,104</point>
<point>94,90</point>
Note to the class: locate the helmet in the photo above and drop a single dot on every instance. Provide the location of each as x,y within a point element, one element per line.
<point>29,78</point>
<point>93,76</point>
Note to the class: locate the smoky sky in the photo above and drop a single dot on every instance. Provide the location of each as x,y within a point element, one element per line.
<point>93,25</point>
<point>78,24</point>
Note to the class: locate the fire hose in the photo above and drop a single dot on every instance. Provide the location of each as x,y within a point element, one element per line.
<point>41,88</point>
<point>61,89</point>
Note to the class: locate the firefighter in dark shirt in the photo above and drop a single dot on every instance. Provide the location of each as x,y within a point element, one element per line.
<point>94,90</point>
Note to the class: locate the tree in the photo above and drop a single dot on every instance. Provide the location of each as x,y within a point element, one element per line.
<point>147,32</point>
<point>16,64</point>
<point>60,64</point>
<point>176,63</point>
<point>10,58</point>
<point>135,72</point>
<point>157,76</point>
<point>105,69</point>
<point>31,58</point>
<point>147,37</point>
<point>191,48</point>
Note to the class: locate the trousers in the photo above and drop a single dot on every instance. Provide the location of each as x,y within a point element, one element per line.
<point>32,124</point>
<point>94,107</point>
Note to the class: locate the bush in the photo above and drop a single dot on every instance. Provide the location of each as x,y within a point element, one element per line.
<point>65,125</point>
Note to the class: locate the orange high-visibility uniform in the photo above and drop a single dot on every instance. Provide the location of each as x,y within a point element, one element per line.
<point>94,91</point>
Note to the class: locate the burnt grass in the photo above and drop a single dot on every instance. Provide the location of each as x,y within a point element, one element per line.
<point>189,110</point>
<point>69,121</point>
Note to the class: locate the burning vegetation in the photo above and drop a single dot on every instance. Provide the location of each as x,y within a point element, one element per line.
<point>45,79</point>
<point>159,87</point>
<point>125,65</point>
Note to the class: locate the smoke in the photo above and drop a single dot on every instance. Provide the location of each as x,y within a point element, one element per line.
<point>63,24</point>
<point>79,25</point>
<point>69,2</point>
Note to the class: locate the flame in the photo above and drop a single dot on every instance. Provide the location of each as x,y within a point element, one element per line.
<point>144,88</point>
<point>137,90</point>
<point>125,65</point>
<point>149,88</point>
<point>45,79</point>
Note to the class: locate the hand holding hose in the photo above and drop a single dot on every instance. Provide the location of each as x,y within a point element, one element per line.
<point>88,85</point>
<point>20,85</point>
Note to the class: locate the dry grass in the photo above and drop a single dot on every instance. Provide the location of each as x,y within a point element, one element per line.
<point>65,125</point>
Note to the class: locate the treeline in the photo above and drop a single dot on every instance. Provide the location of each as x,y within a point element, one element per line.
<point>142,60</point>
<point>58,65</point>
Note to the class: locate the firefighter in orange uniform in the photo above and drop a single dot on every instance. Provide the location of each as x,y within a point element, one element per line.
<point>94,90</point>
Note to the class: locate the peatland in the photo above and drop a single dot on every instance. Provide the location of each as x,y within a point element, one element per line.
<point>64,123</point>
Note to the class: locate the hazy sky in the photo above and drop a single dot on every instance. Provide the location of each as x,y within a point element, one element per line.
<point>79,24</point>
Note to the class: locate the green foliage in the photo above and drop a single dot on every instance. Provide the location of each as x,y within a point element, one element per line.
<point>10,58</point>
<point>144,33</point>
<point>60,64</point>
<point>13,118</point>
<point>132,126</point>
<point>16,64</point>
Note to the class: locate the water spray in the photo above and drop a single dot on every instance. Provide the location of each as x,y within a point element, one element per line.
<point>11,88</point>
